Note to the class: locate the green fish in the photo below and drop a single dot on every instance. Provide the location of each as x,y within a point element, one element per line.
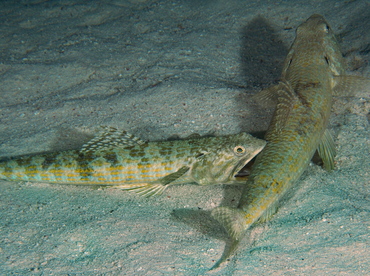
<point>123,161</point>
<point>313,72</point>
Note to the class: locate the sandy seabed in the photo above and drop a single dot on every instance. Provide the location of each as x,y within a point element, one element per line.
<point>159,69</point>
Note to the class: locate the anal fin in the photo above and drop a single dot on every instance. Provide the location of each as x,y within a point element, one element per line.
<point>326,150</point>
<point>270,211</point>
<point>144,189</point>
<point>151,190</point>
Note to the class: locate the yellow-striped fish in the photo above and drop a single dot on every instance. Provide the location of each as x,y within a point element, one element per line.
<point>121,160</point>
<point>312,71</point>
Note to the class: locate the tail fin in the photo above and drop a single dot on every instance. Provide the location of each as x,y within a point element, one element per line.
<point>232,219</point>
<point>230,249</point>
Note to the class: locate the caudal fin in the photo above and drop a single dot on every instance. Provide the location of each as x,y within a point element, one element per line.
<point>232,219</point>
<point>230,249</point>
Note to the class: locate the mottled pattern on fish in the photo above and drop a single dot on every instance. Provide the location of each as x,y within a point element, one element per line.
<point>298,127</point>
<point>122,160</point>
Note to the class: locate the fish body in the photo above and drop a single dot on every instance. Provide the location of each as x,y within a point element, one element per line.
<point>298,127</point>
<point>119,159</point>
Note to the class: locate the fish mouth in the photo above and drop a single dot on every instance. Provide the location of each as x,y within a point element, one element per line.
<point>242,171</point>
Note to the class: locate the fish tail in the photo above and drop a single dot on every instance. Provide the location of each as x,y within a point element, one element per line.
<point>232,219</point>
<point>228,252</point>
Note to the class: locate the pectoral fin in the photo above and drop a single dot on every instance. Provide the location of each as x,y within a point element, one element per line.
<point>157,187</point>
<point>326,150</point>
<point>348,85</point>
<point>173,176</point>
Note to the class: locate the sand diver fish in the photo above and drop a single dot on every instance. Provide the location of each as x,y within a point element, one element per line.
<point>119,159</point>
<point>312,72</point>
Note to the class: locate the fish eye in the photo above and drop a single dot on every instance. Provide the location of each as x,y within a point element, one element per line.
<point>239,150</point>
<point>326,28</point>
<point>327,60</point>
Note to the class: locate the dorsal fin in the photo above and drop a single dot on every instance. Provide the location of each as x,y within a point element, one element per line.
<point>194,136</point>
<point>110,138</point>
<point>286,99</point>
<point>191,136</point>
<point>268,96</point>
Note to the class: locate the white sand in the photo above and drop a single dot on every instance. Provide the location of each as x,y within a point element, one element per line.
<point>158,69</point>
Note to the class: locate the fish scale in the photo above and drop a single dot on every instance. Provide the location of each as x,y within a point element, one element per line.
<point>121,160</point>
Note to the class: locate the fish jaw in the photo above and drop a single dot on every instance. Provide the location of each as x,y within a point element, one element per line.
<point>230,177</point>
<point>221,165</point>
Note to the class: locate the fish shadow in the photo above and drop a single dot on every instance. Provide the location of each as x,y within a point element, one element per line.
<point>203,222</point>
<point>65,139</point>
<point>262,55</point>
<point>200,220</point>
<point>68,138</point>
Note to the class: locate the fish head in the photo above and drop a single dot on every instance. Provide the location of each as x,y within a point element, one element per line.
<point>222,158</point>
<point>316,36</point>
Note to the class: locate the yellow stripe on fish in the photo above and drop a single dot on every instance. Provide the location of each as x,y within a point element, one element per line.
<point>121,160</point>
<point>312,73</point>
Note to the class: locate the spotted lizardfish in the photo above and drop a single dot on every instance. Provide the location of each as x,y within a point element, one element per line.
<point>312,73</point>
<point>117,158</point>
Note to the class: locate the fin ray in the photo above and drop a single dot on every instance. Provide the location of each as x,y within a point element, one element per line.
<point>110,138</point>
<point>267,96</point>
<point>286,98</point>
<point>155,188</point>
<point>228,252</point>
<point>144,189</point>
<point>150,190</point>
<point>326,150</point>
<point>232,220</point>
<point>349,85</point>
<point>269,212</point>
<point>173,176</point>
